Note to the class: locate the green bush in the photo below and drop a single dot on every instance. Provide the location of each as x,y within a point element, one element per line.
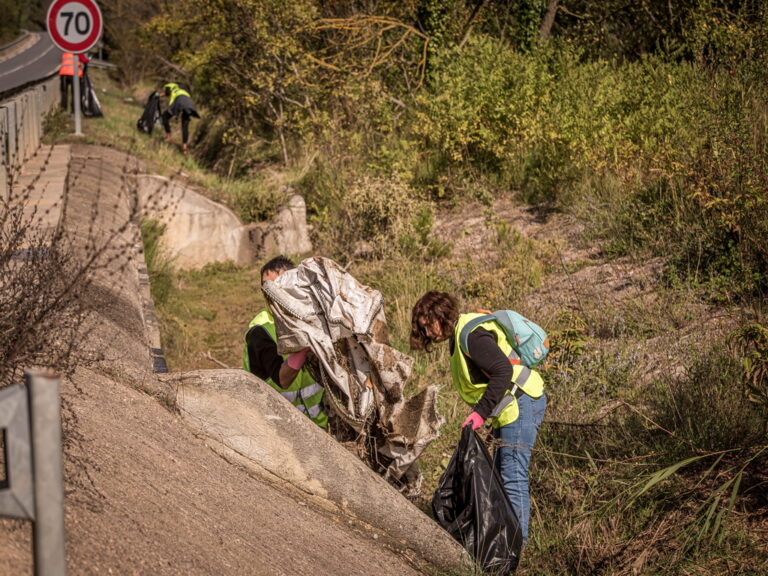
<point>374,218</point>
<point>543,121</point>
<point>706,205</point>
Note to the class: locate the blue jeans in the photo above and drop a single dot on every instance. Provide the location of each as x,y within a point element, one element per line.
<point>514,455</point>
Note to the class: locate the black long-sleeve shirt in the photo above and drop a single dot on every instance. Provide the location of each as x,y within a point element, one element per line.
<point>263,359</point>
<point>487,363</point>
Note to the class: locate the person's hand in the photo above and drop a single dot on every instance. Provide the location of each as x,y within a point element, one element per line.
<point>297,359</point>
<point>474,420</point>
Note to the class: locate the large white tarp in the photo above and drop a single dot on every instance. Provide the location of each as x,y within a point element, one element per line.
<point>321,306</point>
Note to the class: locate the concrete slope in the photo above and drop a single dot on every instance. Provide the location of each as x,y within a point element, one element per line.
<point>199,231</point>
<point>145,491</point>
<point>251,424</point>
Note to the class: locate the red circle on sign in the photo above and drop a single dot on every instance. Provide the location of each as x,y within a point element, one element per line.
<point>69,45</point>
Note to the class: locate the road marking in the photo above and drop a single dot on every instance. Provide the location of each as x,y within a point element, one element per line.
<point>29,63</point>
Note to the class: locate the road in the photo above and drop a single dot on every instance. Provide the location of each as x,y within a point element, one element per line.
<point>39,60</point>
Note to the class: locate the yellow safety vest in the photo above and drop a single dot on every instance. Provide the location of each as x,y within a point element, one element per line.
<point>304,392</point>
<point>528,380</point>
<point>176,91</point>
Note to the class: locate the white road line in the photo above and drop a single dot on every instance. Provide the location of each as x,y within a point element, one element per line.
<point>26,64</point>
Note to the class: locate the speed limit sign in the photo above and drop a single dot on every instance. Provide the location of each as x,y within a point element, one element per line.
<point>74,25</point>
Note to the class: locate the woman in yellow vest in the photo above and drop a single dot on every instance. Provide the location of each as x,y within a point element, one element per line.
<point>511,396</point>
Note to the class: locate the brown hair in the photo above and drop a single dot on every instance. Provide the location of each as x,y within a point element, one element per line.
<point>434,305</point>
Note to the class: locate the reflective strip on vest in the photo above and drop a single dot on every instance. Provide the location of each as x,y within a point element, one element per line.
<point>528,380</point>
<point>314,412</point>
<point>522,378</point>
<point>304,393</point>
<point>68,65</point>
<point>308,391</point>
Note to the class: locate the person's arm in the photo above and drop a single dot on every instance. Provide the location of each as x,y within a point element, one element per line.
<point>488,357</point>
<point>266,363</point>
<point>292,366</point>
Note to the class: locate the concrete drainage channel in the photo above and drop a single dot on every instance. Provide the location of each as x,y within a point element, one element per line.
<point>199,231</point>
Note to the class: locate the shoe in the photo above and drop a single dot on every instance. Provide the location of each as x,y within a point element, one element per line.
<point>184,149</point>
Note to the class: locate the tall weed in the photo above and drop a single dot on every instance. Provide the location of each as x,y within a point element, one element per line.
<point>159,266</point>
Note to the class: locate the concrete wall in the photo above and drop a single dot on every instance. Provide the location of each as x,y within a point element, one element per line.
<point>21,128</point>
<point>199,231</point>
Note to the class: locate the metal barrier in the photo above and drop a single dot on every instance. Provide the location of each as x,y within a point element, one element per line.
<point>30,419</point>
<point>21,127</point>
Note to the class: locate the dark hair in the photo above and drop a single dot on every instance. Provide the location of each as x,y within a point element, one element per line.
<point>277,264</point>
<point>439,306</point>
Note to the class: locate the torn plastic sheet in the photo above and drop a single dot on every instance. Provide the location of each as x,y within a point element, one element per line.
<point>320,306</point>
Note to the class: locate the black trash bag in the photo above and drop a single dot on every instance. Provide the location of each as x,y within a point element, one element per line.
<point>470,503</point>
<point>151,114</point>
<point>89,100</point>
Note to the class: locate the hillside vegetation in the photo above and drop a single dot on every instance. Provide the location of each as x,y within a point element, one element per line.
<point>604,171</point>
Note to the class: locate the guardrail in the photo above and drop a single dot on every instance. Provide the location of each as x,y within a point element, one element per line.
<point>30,421</point>
<point>21,127</point>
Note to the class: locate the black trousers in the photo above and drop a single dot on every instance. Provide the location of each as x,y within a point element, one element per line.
<point>185,117</point>
<point>66,86</point>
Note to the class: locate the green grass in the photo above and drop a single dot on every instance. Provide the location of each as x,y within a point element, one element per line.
<point>206,313</point>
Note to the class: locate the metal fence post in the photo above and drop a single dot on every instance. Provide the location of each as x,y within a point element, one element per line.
<point>45,424</point>
<point>17,496</point>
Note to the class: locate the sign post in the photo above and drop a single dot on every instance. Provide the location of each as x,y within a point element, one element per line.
<point>75,26</point>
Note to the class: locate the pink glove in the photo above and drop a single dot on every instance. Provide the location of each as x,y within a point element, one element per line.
<point>297,359</point>
<point>475,420</point>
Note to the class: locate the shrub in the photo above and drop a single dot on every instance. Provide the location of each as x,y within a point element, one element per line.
<point>43,297</point>
<point>749,346</point>
<point>373,217</point>
<point>544,121</point>
<point>707,407</point>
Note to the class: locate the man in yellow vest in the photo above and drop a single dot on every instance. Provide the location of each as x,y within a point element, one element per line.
<point>180,103</point>
<point>67,73</point>
<point>286,374</point>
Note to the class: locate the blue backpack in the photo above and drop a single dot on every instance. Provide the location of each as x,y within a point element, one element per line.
<point>529,341</point>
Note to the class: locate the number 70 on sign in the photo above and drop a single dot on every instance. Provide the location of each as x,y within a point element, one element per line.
<point>74,25</point>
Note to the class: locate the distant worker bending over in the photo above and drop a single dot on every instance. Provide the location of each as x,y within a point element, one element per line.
<point>286,374</point>
<point>179,103</point>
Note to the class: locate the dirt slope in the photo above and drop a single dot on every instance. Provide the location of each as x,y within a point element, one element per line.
<point>611,300</point>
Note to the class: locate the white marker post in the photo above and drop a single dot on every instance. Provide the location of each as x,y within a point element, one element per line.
<point>76,93</point>
<point>75,26</point>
